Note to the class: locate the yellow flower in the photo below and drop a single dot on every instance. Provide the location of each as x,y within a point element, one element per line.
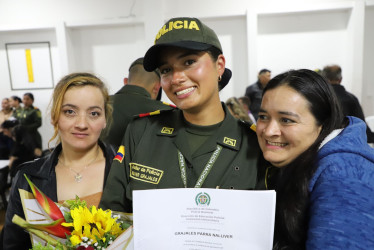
<point>75,240</point>
<point>92,223</point>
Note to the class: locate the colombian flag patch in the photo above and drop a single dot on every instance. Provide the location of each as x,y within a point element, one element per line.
<point>120,154</point>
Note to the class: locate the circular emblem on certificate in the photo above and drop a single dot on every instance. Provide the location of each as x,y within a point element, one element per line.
<point>202,199</point>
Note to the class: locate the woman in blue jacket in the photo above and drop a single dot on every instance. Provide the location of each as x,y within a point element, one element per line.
<point>321,166</point>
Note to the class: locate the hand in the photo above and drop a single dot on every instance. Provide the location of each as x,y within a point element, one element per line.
<point>38,152</point>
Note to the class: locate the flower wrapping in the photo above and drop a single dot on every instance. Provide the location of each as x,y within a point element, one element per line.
<point>74,225</point>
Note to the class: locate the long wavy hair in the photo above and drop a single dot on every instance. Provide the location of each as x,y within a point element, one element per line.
<point>236,108</point>
<point>291,181</point>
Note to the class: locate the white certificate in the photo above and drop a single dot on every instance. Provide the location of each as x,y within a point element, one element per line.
<point>4,163</point>
<point>199,218</point>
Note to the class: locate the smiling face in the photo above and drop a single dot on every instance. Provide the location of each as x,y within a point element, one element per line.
<point>13,103</point>
<point>285,126</point>
<point>190,78</point>
<point>82,118</point>
<point>5,104</point>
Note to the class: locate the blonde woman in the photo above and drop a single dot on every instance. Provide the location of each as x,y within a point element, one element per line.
<point>236,109</point>
<point>79,164</point>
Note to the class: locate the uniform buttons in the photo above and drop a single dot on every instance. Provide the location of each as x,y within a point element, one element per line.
<point>231,187</point>
<point>236,168</point>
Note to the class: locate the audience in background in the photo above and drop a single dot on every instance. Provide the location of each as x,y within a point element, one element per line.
<point>254,91</point>
<point>15,103</point>
<point>5,142</point>
<point>136,97</point>
<point>246,103</point>
<point>349,103</point>
<point>6,111</point>
<point>79,164</point>
<point>22,148</point>
<point>237,110</point>
<point>30,120</point>
<point>321,166</point>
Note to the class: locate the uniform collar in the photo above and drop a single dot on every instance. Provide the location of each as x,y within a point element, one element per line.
<point>29,108</point>
<point>228,134</point>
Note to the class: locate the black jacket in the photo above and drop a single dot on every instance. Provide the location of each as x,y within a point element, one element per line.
<point>42,173</point>
<point>351,107</point>
<point>254,93</point>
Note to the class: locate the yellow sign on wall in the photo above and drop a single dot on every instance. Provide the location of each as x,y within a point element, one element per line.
<point>30,73</point>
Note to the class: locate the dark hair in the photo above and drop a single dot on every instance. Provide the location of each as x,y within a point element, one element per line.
<point>245,100</point>
<point>264,71</point>
<point>237,109</point>
<point>291,181</point>
<point>29,95</point>
<point>16,98</point>
<point>214,53</point>
<point>332,72</point>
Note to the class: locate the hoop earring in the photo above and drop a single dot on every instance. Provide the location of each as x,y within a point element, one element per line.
<point>219,78</point>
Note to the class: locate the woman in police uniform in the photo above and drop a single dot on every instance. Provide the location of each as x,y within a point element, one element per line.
<point>197,145</point>
<point>31,120</point>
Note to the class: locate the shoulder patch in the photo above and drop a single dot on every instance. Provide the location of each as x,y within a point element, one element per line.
<point>169,104</point>
<point>120,154</point>
<point>166,130</point>
<point>156,112</point>
<point>229,141</point>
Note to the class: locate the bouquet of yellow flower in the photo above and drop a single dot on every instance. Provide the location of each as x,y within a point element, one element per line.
<point>73,225</point>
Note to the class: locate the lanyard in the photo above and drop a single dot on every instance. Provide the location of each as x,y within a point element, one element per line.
<point>204,173</point>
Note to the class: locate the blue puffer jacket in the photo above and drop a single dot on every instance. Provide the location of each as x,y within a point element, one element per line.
<point>342,192</point>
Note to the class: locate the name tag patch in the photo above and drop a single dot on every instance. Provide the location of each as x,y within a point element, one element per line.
<point>145,173</point>
<point>229,141</point>
<point>166,130</point>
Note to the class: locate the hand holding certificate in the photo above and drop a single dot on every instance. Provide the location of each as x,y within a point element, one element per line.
<point>193,218</point>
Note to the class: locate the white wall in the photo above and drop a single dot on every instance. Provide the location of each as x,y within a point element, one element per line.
<point>108,58</point>
<point>104,37</point>
<point>302,40</point>
<point>231,39</point>
<point>42,97</point>
<point>368,79</point>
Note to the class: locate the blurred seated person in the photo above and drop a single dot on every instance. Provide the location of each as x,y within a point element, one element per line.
<point>80,162</point>
<point>237,110</point>
<point>6,111</point>
<point>5,142</point>
<point>20,151</point>
<point>5,146</point>
<point>15,103</point>
<point>31,120</point>
<point>246,103</point>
